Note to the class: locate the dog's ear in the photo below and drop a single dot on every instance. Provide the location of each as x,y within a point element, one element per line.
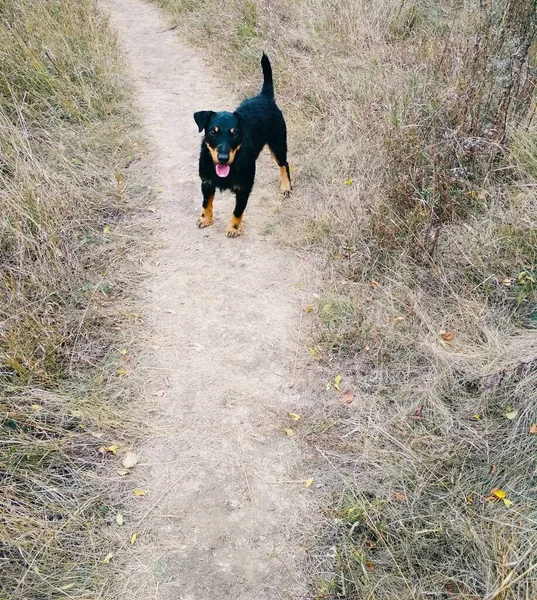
<point>239,119</point>
<point>202,118</point>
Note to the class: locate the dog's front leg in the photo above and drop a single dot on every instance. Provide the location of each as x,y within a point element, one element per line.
<point>207,189</point>
<point>234,227</point>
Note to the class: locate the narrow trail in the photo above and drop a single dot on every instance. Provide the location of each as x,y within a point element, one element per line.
<point>223,477</point>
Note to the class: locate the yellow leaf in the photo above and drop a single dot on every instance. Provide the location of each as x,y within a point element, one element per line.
<point>533,428</point>
<point>36,407</point>
<point>313,351</point>
<point>138,492</point>
<point>348,182</point>
<point>498,493</point>
<point>508,502</point>
<point>289,432</point>
<point>124,351</point>
<point>123,472</point>
<point>108,557</point>
<point>134,537</point>
<point>159,190</point>
<point>119,519</point>
<point>67,586</point>
<point>337,381</point>
<point>121,371</point>
<point>294,416</point>
<point>308,482</point>
<point>511,414</point>
<point>308,308</point>
<point>112,449</point>
<point>106,229</point>
<point>129,460</point>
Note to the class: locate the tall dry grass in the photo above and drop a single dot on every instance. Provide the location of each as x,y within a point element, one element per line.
<point>67,250</point>
<point>412,139</point>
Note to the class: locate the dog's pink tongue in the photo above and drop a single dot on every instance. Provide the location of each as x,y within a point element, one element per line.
<point>222,170</point>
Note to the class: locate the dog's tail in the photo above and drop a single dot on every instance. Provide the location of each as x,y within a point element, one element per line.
<point>268,84</point>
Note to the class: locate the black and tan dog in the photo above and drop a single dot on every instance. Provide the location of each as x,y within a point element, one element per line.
<point>231,145</point>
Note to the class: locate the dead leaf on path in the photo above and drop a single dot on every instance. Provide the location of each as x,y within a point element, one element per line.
<point>349,181</point>
<point>121,371</point>
<point>498,493</point>
<point>96,434</point>
<point>138,492</point>
<point>337,381</point>
<point>289,432</point>
<point>308,483</point>
<point>294,416</point>
<point>170,311</point>
<point>448,336</point>
<point>314,351</point>
<point>124,351</point>
<point>36,407</point>
<point>106,229</point>
<point>129,460</point>
<point>134,537</point>
<point>347,397</point>
<point>119,519</point>
<point>418,413</point>
<point>123,472</point>
<point>308,308</point>
<point>511,414</point>
<point>108,557</point>
<point>400,497</point>
<point>370,566</point>
<point>533,428</point>
<point>110,449</point>
<point>508,502</point>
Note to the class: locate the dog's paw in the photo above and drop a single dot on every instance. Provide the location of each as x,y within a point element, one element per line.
<point>285,192</point>
<point>234,229</point>
<point>205,221</point>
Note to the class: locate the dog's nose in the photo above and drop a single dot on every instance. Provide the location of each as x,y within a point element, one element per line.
<point>223,158</point>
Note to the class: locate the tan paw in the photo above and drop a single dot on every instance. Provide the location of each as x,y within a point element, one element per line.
<point>205,221</point>
<point>234,228</point>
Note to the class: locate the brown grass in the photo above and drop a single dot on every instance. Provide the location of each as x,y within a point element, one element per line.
<point>413,146</point>
<point>67,258</point>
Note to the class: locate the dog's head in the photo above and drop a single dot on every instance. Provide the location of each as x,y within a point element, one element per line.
<point>223,137</point>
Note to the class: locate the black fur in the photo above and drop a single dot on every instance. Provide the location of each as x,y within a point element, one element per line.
<point>255,123</point>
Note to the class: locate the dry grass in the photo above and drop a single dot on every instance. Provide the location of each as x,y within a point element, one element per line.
<point>427,107</point>
<point>67,256</point>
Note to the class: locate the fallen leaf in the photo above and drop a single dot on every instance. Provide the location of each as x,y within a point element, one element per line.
<point>498,493</point>
<point>129,460</point>
<point>308,482</point>
<point>106,229</point>
<point>337,381</point>
<point>96,434</point>
<point>400,497</point>
<point>123,472</point>
<point>294,416</point>
<point>67,586</point>
<point>418,413</point>
<point>313,351</point>
<point>112,449</point>
<point>493,469</point>
<point>370,566</point>
<point>348,182</point>
<point>511,414</point>
<point>108,557</point>
<point>469,500</point>
<point>121,371</point>
<point>289,432</point>
<point>124,351</point>
<point>448,336</point>
<point>476,417</point>
<point>308,308</point>
<point>375,284</point>
<point>170,311</point>
<point>533,428</point>
<point>134,537</point>
<point>159,190</point>
<point>36,407</point>
<point>159,393</point>
<point>138,492</point>
<point>119,519</point>
<point>507,502</point>
<point>328,385</point>
<point>347,397</point>
<point>507,281</point>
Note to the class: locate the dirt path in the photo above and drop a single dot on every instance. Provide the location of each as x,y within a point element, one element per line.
<point>227,318</point>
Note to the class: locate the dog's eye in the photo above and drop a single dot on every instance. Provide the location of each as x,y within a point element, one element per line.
<point>213,130</point>
<point>234,132</point>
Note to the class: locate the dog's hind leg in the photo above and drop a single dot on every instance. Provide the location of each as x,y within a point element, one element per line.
<point>206,217</point>
<point>278,147</point>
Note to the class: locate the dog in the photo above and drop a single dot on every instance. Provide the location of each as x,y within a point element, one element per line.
<point>231,145</point>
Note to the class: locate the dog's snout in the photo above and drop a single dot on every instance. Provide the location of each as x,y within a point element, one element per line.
<point>223,157</point>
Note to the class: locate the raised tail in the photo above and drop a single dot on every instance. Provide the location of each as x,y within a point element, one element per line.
<point>268,84</point>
